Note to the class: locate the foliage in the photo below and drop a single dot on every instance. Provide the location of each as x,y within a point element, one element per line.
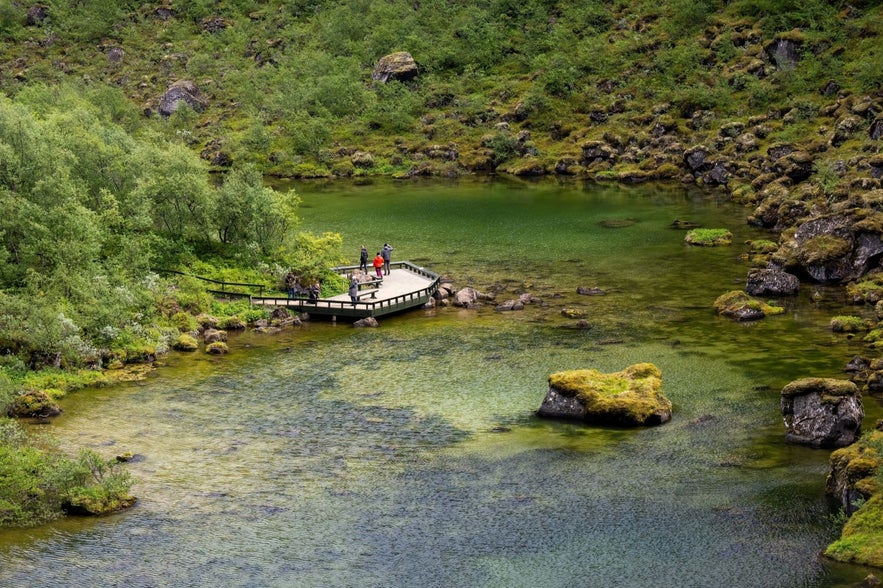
<point>37,482</point>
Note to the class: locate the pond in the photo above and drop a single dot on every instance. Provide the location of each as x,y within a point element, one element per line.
<point>410,455</point>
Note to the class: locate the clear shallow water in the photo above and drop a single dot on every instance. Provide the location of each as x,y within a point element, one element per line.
<point>409,455</point>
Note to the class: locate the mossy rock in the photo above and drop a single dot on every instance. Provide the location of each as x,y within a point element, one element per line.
<point>847,324</point>
<point>632,397</point>
<point>185,342</point>
<point>709,237</point>
<point>231,323</point>
<point>741,306</point>
<point>97,501</point>
<point>217,348</point>
<point>33,403</point>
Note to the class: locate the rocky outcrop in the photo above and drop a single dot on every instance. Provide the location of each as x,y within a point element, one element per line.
<point>768,282</point>
<point>831,248</point>
<point>395,66</point>
<point>822,412</point>
<point>632,397</point>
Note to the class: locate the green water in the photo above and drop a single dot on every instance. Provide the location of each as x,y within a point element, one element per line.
<point>409,455</point>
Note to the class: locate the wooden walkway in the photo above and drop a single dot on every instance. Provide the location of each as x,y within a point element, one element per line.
<point>407,286</point>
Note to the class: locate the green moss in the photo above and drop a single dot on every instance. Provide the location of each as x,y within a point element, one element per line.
<point>217,348</point>
<point>862,539</point>
<point>186,342</point>
<point>733,303</point>
<point>823,248</point>
<point>763,246</point>
<point>847,324</point>
<point>869,289</point>
<point>632,396</point>
<point>709,237</point>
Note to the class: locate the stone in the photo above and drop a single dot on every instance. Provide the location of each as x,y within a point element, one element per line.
<point>182,91</point>
<point>367,322</point>
<point>632,397</point>
<point>738,305</point>
<point>214,335</point>
<point>770,282</point>
<point>822,412</point>
<point>395,66</point>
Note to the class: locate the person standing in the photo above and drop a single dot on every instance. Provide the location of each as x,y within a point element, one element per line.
<point>291,284</point>
<point>363,259</point>
<point>315,292</point>
<point>387,249</point>
<point>378,265</point>
<point>354,288</point>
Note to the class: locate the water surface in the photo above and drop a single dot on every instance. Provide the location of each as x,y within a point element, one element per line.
<point>409,455</point>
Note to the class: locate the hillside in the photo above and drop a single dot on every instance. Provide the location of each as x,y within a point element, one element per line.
<point>513,87</point>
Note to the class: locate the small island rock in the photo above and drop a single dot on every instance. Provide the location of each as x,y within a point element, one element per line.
<point>632,397</point>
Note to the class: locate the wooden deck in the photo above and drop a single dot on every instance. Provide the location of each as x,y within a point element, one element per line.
<point>407,286</point>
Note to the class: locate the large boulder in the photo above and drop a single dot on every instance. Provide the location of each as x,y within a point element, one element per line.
<point>395,66</point>
<point>632,397</point>
<point>822,412</point>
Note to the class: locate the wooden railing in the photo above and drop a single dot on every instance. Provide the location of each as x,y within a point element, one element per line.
<point>371,308</point>
<point>223,284</point>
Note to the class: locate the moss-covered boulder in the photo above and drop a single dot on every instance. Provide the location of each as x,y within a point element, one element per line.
<point>217,348</point>
<point>33,404</point>
<point>741,306</point>
<point>630,398</point>
<point>822,412</point>
<point>186,342</point>
<point>708,237</point>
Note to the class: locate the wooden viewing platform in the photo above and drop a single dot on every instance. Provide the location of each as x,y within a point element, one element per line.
<point>406,286</point>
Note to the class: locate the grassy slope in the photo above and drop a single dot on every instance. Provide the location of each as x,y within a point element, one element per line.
<point>289,84</point>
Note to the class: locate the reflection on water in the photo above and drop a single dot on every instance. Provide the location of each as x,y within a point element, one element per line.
<point>409,455</point>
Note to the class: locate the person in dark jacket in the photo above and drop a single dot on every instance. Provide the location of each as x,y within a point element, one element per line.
<point>387,249</point>
<point>315,290</point>
<point>363,259</point>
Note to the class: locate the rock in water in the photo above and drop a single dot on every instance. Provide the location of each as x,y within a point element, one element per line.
<point>822,412</point>
<point>632,397</point>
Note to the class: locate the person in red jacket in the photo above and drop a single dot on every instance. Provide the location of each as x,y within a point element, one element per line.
<point>378,265</point>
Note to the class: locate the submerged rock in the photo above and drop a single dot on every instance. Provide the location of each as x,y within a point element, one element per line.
<point>822,412</point>
<point>632,397</point>
<point>770,282</point>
